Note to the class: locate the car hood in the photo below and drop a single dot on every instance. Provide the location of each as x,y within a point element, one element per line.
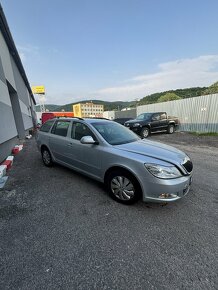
<point>154,149</point>
<point>134,121</point>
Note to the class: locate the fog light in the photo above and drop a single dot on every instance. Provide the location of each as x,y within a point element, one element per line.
<point>167,195</point>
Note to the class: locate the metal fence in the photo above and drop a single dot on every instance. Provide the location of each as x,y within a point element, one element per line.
<point>195,114</point>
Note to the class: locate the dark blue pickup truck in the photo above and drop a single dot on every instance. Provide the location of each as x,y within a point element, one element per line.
<point>147,123</point>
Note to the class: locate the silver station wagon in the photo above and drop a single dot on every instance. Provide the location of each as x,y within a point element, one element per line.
<point>132,168</point>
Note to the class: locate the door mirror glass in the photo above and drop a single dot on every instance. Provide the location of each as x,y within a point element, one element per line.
<point>87,140</point>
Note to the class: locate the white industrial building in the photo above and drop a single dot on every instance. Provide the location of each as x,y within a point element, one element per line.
<point>17,113</point>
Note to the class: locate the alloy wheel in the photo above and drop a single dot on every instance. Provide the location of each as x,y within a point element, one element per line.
<point>145,133</point>
<point>46,157</point>
<point>122,188</point>
<point>171,129</point>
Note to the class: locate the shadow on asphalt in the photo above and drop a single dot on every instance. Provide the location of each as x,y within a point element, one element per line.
<point>140,205</point>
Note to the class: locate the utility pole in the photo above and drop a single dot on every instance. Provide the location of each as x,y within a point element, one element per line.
<point>42,103</point>
<point>40,91</point>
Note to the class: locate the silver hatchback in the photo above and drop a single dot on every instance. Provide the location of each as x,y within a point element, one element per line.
<point>131,168</point>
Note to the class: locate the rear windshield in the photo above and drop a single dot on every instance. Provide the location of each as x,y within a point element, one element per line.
<point>145,116</point>
<point>114,133</point>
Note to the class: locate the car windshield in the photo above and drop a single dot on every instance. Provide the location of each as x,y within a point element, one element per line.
<point>145,116</point>
<point>114,133</point>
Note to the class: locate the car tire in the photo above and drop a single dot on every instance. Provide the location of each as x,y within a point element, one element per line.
<point>123,187</point>
<point>171,129</point>
<point>46,157</point>
<point>145,132</point>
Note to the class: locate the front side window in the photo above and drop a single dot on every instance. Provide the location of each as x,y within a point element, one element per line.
<point>60,128</point>
<point>80,130</point>
<point>47,126</point>
<point>114,133</point>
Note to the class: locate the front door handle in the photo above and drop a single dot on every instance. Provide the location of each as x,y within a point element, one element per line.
<point>70,144</point>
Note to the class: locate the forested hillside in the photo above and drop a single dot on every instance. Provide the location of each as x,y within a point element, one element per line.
<point>149,99</point>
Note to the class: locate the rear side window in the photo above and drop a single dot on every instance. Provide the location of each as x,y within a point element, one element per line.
<point>60,128</point>
<point>47,126</point>
<point>163,116</point>
<point>156,117</point>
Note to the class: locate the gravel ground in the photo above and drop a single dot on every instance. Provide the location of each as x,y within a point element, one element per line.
<point>60,230</point>
<point>184,138</point>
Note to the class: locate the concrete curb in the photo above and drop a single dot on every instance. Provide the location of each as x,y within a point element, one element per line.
<point>3,169</point>
<point>7,164</point>
<point>3,181</point>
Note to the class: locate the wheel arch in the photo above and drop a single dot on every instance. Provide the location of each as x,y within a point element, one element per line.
<point>43,146</point>
<point>120,167</point>
<point>147,126</point>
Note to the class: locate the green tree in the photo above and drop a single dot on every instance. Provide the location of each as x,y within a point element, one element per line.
<point>168,97</point>
<point>213,89</point>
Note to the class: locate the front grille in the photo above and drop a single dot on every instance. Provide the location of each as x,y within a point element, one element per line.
<point>188,166</point>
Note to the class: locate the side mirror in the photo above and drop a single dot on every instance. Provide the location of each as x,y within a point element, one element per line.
<point>88,140</point>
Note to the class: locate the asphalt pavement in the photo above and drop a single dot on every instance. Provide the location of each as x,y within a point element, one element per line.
<point>60,230</point>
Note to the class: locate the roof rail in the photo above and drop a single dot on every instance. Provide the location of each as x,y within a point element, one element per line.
<point>101,118</point>
<point>57,117</point>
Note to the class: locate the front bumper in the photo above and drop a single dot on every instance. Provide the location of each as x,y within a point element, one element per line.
<point>136,130</point>
<point>166,190</point>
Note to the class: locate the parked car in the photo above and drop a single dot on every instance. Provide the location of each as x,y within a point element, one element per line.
<point>122,120</point>
<point>147,123</point>
<point>104,150</point>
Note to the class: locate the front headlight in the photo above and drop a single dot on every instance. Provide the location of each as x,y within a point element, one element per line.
<point>161,171</point>
<point>136,125</point>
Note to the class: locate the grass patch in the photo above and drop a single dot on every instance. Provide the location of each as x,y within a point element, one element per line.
<point>204,133</point>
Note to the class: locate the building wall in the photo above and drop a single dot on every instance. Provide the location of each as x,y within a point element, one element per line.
<point>6,61</point>
<point>5,148</point>
<point>2,75</point>
<point>16,106</point>
<point>77,110</point>
<point>8,127</point>
<point>92,110</point>
<point>24,97</point>
<point>126,114</point>
<point>88,110</point>
<point>109,115</point>
<point>195,114</point>
<point>8,130</point>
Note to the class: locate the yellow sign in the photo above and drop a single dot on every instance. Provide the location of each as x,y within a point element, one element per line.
<point>38,90</point>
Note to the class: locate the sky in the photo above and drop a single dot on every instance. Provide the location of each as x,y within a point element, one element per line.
<point>114,49</point>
